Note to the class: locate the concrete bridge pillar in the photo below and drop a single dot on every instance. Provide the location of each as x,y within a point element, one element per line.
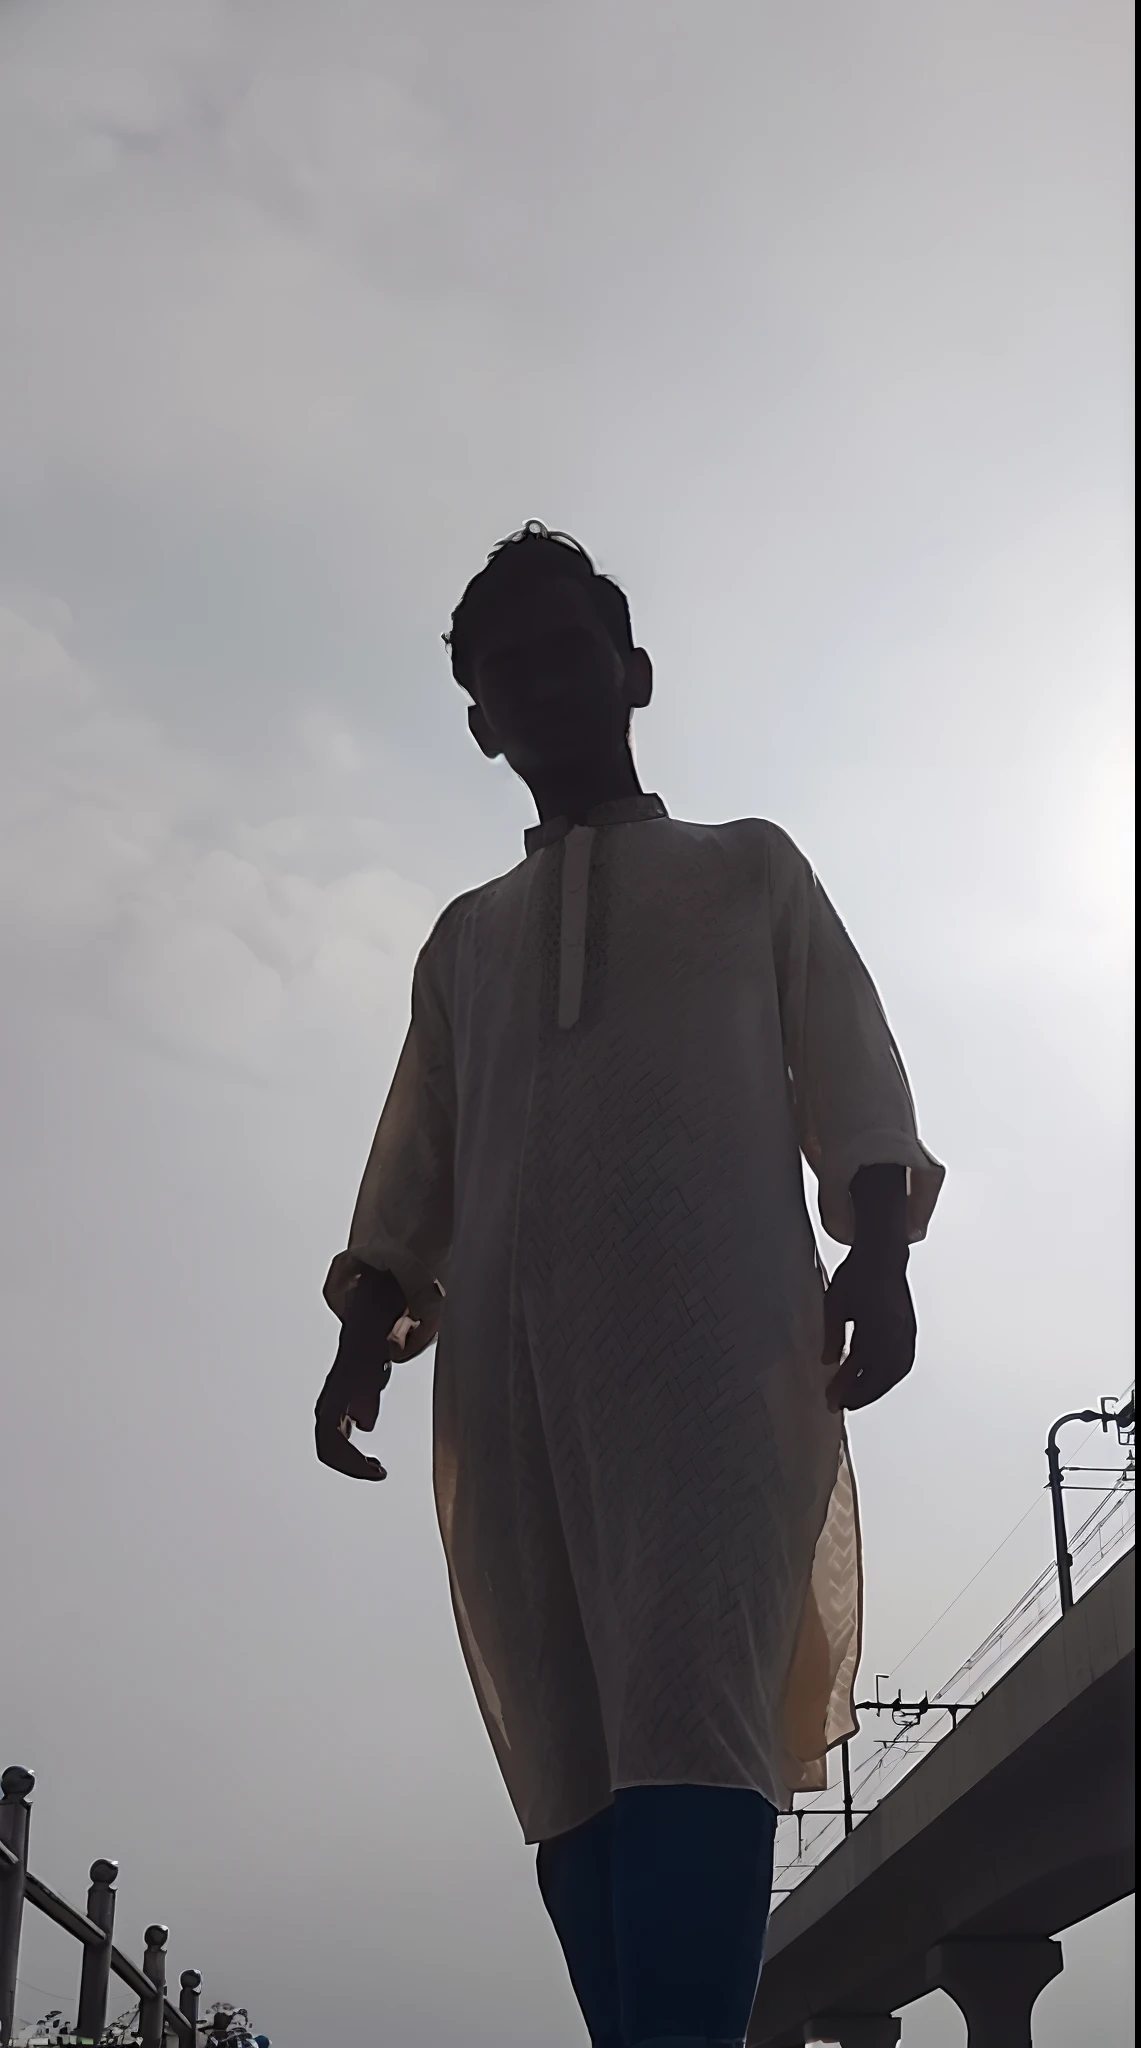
<point>855,2029</point>
<point>994,1984</point>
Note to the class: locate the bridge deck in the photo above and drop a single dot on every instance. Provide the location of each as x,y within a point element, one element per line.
<point>1018,1824</point>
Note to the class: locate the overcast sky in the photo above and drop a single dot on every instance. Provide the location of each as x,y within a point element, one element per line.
<point>811,319</point>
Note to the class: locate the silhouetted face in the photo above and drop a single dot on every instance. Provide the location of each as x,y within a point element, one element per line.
<point>547,678</point>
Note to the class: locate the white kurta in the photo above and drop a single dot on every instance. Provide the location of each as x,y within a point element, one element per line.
<point>592,1142</point>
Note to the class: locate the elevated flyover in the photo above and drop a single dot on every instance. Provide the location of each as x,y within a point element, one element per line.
<point>1019,1823</point>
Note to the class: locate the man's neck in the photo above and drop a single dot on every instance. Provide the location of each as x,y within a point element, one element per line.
<point>573,791</point>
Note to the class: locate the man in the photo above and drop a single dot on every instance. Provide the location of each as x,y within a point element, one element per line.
<point>587,1180</point>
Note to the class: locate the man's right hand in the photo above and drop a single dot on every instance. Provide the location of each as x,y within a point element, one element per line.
<point>362,1368</point>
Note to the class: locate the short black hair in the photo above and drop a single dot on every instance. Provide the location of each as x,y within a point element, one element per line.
<point>536,551</point>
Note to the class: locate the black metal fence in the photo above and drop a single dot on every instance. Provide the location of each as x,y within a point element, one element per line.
<point>160,2023</point>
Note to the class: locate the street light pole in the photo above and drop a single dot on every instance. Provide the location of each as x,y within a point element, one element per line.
<point>1054,1467</point>
<point>1105,1415</point>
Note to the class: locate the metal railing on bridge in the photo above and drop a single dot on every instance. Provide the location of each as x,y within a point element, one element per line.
<point>821,1821</point>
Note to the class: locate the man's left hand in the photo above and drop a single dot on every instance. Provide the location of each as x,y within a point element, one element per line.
<point>873,1295</point>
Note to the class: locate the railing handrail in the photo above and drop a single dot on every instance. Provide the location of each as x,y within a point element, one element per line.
<point>68,1917</point>
<point>158,2018</point>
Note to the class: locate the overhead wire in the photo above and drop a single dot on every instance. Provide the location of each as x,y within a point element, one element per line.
<point>897,1748</point>
<point>951,1604</point>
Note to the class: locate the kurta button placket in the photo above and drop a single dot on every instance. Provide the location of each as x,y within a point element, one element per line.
<point>577,848</point>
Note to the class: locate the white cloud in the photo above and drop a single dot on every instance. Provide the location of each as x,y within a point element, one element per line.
<point>196,922</point>
<point>233,249</point>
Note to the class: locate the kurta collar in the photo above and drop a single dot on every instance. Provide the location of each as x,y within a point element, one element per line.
<point>622,810</point>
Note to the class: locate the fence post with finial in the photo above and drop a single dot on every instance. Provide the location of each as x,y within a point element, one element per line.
<point>95,1973</point>
<point>152,2014</point>
<point>15,1819</point>
<point>189,1996</point>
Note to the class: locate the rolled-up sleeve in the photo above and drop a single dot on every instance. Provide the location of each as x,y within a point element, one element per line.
<point>852,1099</point>
<point>402,1223</point>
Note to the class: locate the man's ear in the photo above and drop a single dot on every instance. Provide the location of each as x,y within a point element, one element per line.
<point>639,679</point>
<point>482,733</point>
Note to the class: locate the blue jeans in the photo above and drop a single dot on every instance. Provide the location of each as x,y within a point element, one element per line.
<point>660,1903</point>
